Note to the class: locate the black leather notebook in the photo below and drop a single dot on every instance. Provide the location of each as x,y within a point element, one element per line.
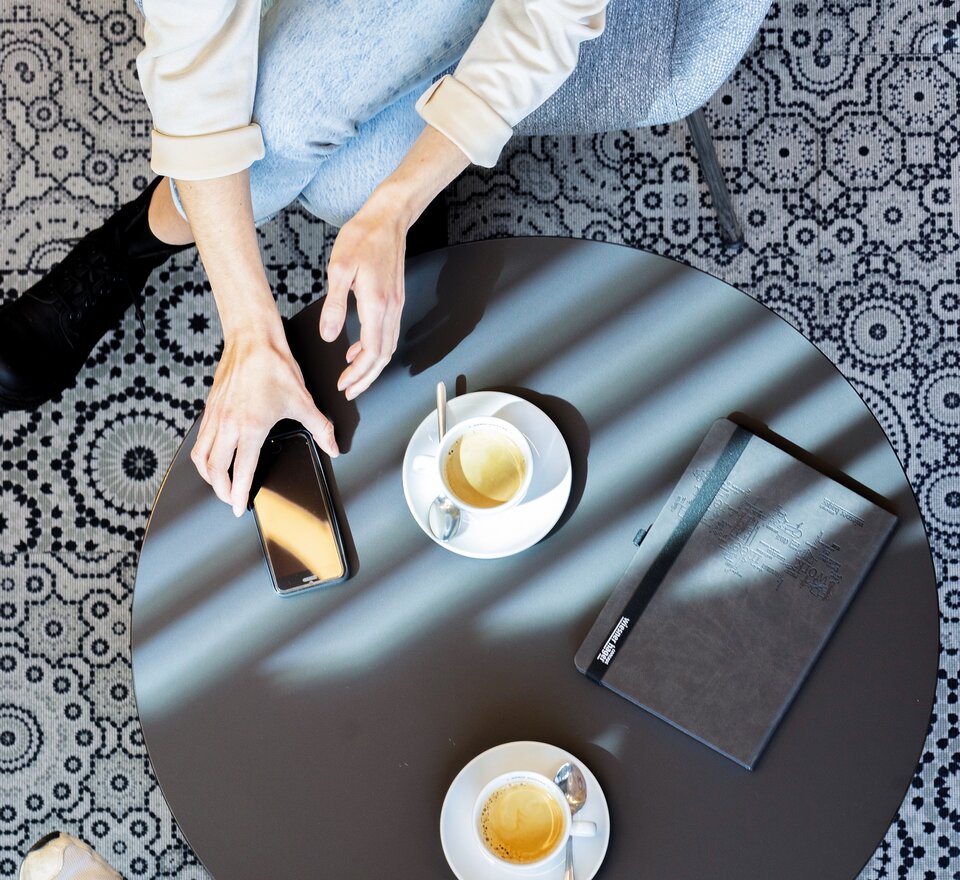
<point>734,591</point>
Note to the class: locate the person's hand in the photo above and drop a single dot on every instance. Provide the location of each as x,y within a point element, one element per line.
<point>257,384</point>
<point>367,258</point>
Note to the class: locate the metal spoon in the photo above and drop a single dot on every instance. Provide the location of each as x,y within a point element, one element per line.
<point>444,518</point>
<point>570,781</point>
<point>444,515</point>
<point>441,412</point>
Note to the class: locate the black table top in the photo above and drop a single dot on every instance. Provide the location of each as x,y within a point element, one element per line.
<point>317,735</point>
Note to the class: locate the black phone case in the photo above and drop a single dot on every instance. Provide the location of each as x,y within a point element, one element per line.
<point>325,490</point>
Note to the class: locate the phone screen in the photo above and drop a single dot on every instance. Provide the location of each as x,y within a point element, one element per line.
<point>294,515</point>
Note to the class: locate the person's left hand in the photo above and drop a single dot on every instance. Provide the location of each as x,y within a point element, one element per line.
<point>367,258</point>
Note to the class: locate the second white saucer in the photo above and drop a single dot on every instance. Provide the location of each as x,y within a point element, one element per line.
<point>460,844</point>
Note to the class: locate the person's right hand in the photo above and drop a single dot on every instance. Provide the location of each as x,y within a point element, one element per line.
<point>257,384</point>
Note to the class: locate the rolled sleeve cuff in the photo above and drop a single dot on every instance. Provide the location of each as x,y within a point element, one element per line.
<point>203,156</point>
<point>466,119</point>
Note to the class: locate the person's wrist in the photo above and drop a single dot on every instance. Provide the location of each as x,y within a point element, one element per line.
<point>430,164</point>
<point>245,304</point>
<point>255,324</point>
<point>400,200</point>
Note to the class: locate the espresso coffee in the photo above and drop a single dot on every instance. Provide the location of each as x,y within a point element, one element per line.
<point>484,468</point>
<point>521,822</point>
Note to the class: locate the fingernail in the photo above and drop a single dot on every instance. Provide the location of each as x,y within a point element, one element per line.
<point>237,512</point>
<point>328,331</point>
<point>352,393</point>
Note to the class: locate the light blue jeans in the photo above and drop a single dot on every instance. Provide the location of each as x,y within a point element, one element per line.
<point>336,88</point>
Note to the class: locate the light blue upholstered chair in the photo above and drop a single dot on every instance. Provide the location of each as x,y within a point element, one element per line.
<point>657,62</point>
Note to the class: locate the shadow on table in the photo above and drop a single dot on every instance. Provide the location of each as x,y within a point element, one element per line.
<point>829,469</point>
<point>463,291</point>
<point>575,432</point>
<point>322,365</point>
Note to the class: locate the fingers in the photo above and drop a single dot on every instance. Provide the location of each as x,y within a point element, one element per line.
<point>334,312</point>
<point>352,379</point>
<point>367,259</point>
<point>321,428</point>
<point>218,445</point>
<point>379,331</point>
<point>213,459</point>
<point>257,384</point>
<point>219,460</point>
<point>244,467</point>
<point>201,449</point>
<point>370,363</point>
<point>203,444</point>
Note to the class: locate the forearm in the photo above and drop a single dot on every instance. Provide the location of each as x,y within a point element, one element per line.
<point>221,218</point>
<point>367,257</point>
<point>431,164</point>
<point>257,381</point>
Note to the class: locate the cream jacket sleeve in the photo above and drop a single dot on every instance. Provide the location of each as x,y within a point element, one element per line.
<point>521,55</point>
<point>198,71</point>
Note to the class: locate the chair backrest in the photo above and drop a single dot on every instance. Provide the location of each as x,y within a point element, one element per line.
<point>656,62</point>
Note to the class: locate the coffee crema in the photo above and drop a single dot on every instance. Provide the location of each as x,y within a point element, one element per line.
<point>484,468</point>
<point>521,823</point>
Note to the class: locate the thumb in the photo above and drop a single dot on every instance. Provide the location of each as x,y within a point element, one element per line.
<point>334,310</point>
<point>321,428</point>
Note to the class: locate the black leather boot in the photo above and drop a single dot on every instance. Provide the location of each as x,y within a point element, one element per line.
<point>48,333</point>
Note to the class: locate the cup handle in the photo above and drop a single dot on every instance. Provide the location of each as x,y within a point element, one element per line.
<point>423,463</point>
<point>583,829</point>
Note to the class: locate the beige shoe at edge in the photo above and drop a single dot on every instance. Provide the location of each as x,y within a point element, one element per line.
<point>60,856</point>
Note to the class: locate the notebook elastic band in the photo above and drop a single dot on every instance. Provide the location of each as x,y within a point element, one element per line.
<point>668,554</point>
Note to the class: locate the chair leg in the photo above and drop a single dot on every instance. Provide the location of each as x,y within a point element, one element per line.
<point>730,232</point>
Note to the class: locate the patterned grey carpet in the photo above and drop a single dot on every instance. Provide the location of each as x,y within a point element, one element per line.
<point>839,132</point>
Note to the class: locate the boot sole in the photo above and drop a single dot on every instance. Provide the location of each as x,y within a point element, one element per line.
<point>14,403</point>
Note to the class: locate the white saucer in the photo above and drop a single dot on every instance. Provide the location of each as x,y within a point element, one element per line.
<point>513,530</point>
<point>460,844</point>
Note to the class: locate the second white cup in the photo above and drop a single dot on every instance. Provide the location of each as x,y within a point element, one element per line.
<point>522,820</point>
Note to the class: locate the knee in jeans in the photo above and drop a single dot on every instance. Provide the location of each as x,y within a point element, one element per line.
<point>303,115</point>
<point>297,133</point>
<point>334,206</point>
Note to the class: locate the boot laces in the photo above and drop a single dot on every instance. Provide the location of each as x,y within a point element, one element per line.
<point>95,274</point>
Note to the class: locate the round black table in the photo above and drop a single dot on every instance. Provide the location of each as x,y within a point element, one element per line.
<point>317,735</point>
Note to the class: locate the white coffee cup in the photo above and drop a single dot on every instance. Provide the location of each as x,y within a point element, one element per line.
<point>507,785</point>
<point>479,430</point>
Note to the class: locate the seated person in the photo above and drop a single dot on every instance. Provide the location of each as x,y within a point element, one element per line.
<point>252,109</point>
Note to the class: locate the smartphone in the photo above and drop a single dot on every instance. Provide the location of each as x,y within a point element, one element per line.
<point>297,524</point>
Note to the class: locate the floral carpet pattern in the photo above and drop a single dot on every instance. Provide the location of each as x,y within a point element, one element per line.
<point>841,144</point>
